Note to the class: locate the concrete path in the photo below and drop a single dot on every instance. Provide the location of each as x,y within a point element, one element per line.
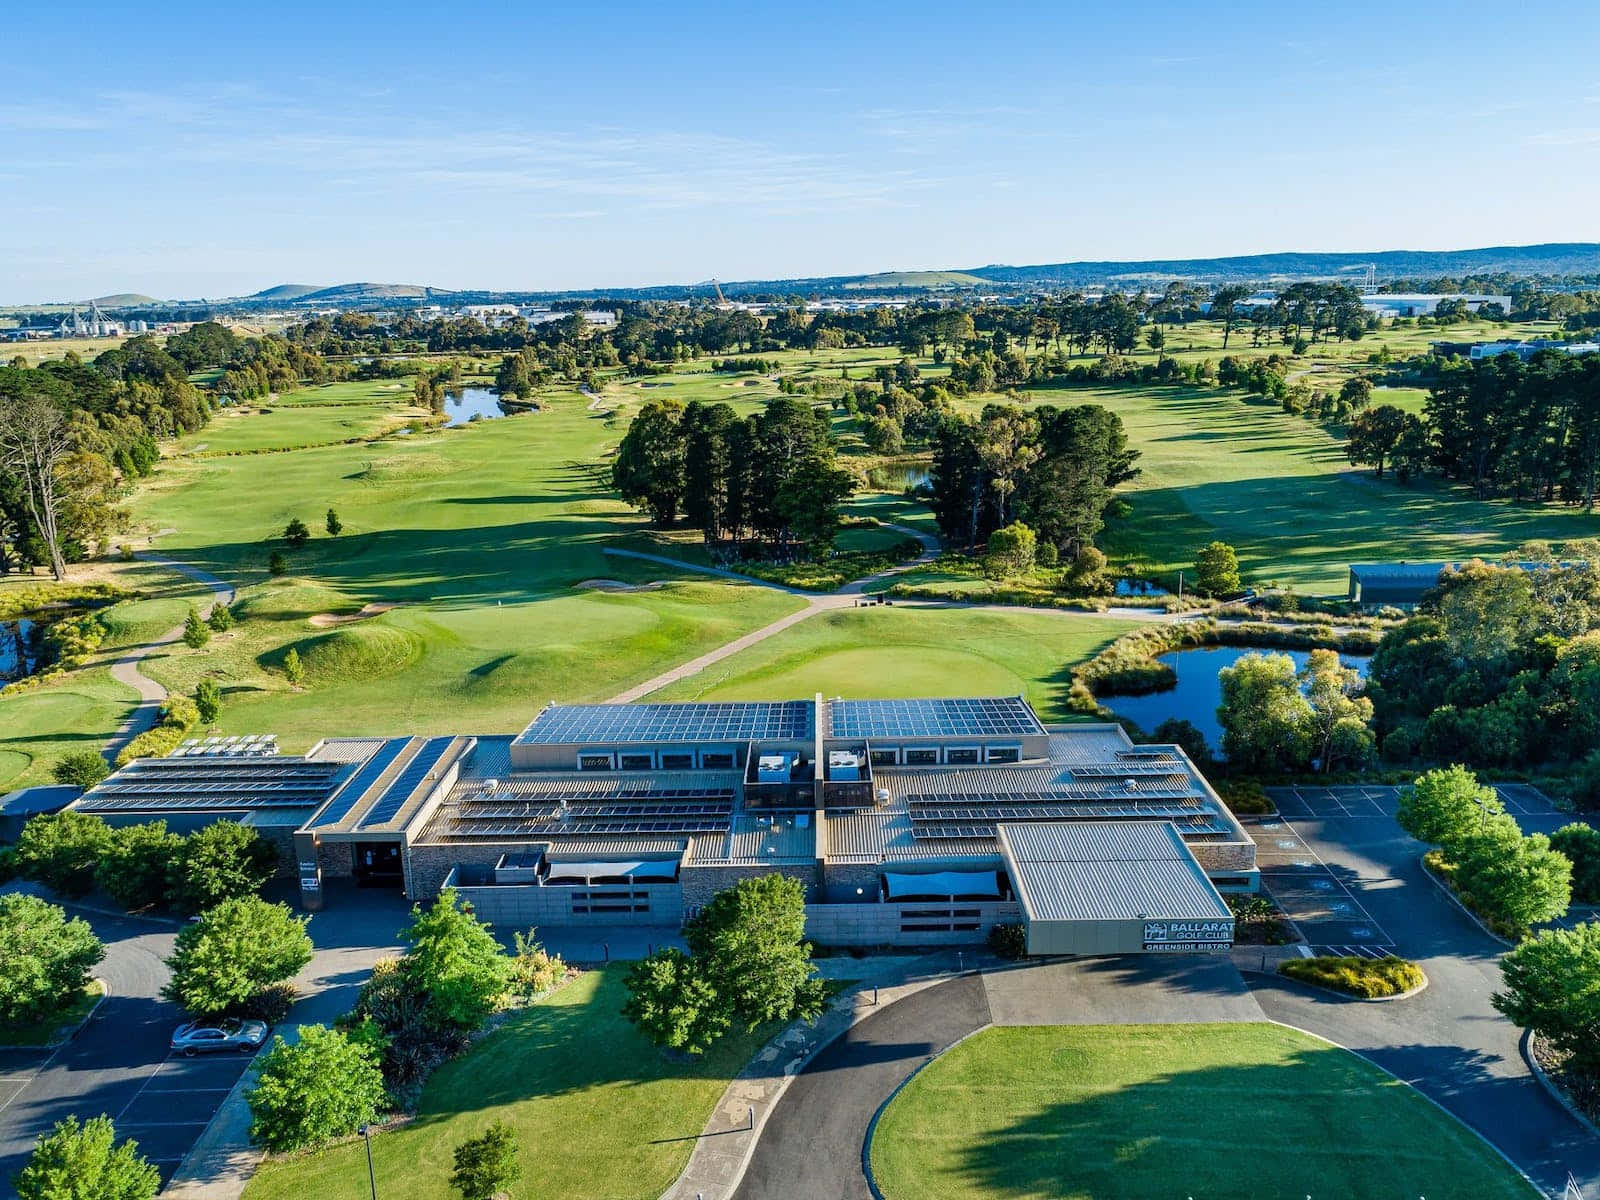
<point>1448,1042</point>
<point>126,669</point>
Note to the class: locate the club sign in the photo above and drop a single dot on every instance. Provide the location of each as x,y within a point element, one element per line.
<point>1187,936</point>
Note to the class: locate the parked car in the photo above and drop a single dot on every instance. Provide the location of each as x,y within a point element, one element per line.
<point>196,1037</point>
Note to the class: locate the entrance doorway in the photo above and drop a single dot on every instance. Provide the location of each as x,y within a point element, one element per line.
<point>377,864</point>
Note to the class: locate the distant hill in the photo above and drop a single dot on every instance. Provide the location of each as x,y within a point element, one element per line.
<point>124,300</point>
<point>916,279</point>
<point>1551,258</point>
<point>346,293</point>
<point>285,291</point>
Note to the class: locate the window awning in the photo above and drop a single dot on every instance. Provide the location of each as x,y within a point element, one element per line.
<point>636,869</point>
<point>943,884</point>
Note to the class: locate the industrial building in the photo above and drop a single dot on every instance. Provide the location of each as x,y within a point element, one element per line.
<point>909,822</point>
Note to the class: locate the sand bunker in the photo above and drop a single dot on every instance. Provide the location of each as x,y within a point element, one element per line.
<point>328,620</point>
<point>616,585</point>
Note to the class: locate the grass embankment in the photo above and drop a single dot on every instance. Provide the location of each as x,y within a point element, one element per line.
<point>598,1111</point>
<point>1365,978</point>
<point>1128,1112</point>
<point>46,1033</point>
<point>899,652</point>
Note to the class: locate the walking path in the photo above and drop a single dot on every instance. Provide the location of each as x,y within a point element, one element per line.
<point>126,669</point>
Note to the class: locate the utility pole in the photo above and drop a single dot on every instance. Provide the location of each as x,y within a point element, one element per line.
<point>372,1180</point>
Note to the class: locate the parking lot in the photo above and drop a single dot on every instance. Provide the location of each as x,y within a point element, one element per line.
<point>1324,900</point>
<point>176,1103</point>
<point>1325,803</point>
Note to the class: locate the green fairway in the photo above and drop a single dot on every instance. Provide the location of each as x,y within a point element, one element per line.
<point>289,427</point>
<point>599,1111</point>
<point>481,535</point>
<point>1280,490</point>
<point>904,651</point>
<point>1127,1112</point>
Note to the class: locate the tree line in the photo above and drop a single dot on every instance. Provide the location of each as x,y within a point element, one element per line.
<point>1527,430</point>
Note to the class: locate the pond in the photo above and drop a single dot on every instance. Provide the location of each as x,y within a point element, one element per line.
<point>1139,587</point>
<point>897,477</point>
<point>1198,691</point>
<point>19,650</point>
<point>469,404</point>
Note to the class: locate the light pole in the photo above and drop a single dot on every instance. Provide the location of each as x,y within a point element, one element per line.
<point>372,1180</point>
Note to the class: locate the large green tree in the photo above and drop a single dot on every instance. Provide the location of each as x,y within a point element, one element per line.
<point>674,1004</point>
<point>221,861</point>
<point>486,1163</point>
<point>1447,807</point>
<point>324,1086</point>
<point>749,941</point>
<point>46,957</point>
<point>86,1162</point>
<point>234,952</point>
<point>649,467</point>
<point>1520,880</point>
<point>135,868</point>
<point>1266,721</point>
<point>61,850</point>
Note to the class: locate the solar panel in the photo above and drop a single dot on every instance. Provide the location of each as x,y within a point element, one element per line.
<point>1006,716</point>
<point>1129,769</point>
<point>345,798</point>
<point>698,723</point>
<point>396,794</point>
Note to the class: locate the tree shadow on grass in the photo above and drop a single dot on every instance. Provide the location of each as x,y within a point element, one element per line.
<point>1318,1123</point>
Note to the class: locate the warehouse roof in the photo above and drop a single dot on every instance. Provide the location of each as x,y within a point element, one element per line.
<point>1401,572</point>
<point>1107,871</point>
<point>982,716</point>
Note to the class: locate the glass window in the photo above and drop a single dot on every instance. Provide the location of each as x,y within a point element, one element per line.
<point>677,762</point>
<point>884,758</point>
<point>636,762</point>
<point>1005,754</point>
<point>922,756</point>
<point>716,762</point>
<point>594,762</point>
<point>961,755</point>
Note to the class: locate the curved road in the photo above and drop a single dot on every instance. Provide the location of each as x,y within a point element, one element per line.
<point>126,669</point>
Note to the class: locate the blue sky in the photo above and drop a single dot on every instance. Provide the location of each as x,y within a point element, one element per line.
<point>207,151</point>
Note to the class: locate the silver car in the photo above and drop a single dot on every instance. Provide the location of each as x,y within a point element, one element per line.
<point>244,1037</point>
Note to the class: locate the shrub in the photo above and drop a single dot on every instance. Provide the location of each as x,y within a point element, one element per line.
<point>1446,807</point>
<point>277,564</point>
<point>81,769</point>
<point>234,952</point>
<point>1581,844</point>
<point>1009,941</point>
<point>1520,880</point>
<point>136,865</point>
<point>1011,551</point>
<point>1217,569</point>
<point>332,523</point>
<point>293,669</point>
<point>674,1004</point>
<point>296,534</point>
<point>1246,797</point>
<point>327,1085</point>
<point>486,1163</point>
<point>749,940</point>
<point>8,863</point>
<point>221,618</point>
<point>221,862</point>
<point>1368,978</point>
<point>85,1162</point>
<point>179,712</point>
<point>534,970</point>
<point>208,700</point>
<point>47,959</point>
<point>61,851</point>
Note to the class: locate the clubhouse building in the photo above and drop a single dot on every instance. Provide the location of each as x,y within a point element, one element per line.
<point>909,822</point>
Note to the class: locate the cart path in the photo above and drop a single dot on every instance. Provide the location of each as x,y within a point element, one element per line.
<point>126,669</point>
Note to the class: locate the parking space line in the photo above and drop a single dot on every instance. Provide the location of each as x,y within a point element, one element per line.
<point>142,1088</point>
<point>1359,915</point>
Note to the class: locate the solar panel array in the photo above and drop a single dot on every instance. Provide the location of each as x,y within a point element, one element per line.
<point>398,792</point>
<point>1132,768</point>
<point>627,810</point>
<point>356,786</point>
<point>199,782</point>
<point>1004,716</point>
<point>680,724</point>
<point>1193,825</point>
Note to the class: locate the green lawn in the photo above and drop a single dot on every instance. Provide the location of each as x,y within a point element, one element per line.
<point>289,427</point>
<point>902,651</point>
<point>1167,1111</point>
<point>599,1112</point>
<point>48,1031</point>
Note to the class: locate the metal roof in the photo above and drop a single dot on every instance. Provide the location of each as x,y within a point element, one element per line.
<point>997,716</point>
<point>1398,572</point>
<point>202,783</point>
<point>670,724</point>
<point>1094,871</point>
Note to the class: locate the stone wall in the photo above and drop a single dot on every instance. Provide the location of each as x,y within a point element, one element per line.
<point>701,883</point>
<point>518,906</point>
<point>426,867</point>
<point>1220,857</point>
